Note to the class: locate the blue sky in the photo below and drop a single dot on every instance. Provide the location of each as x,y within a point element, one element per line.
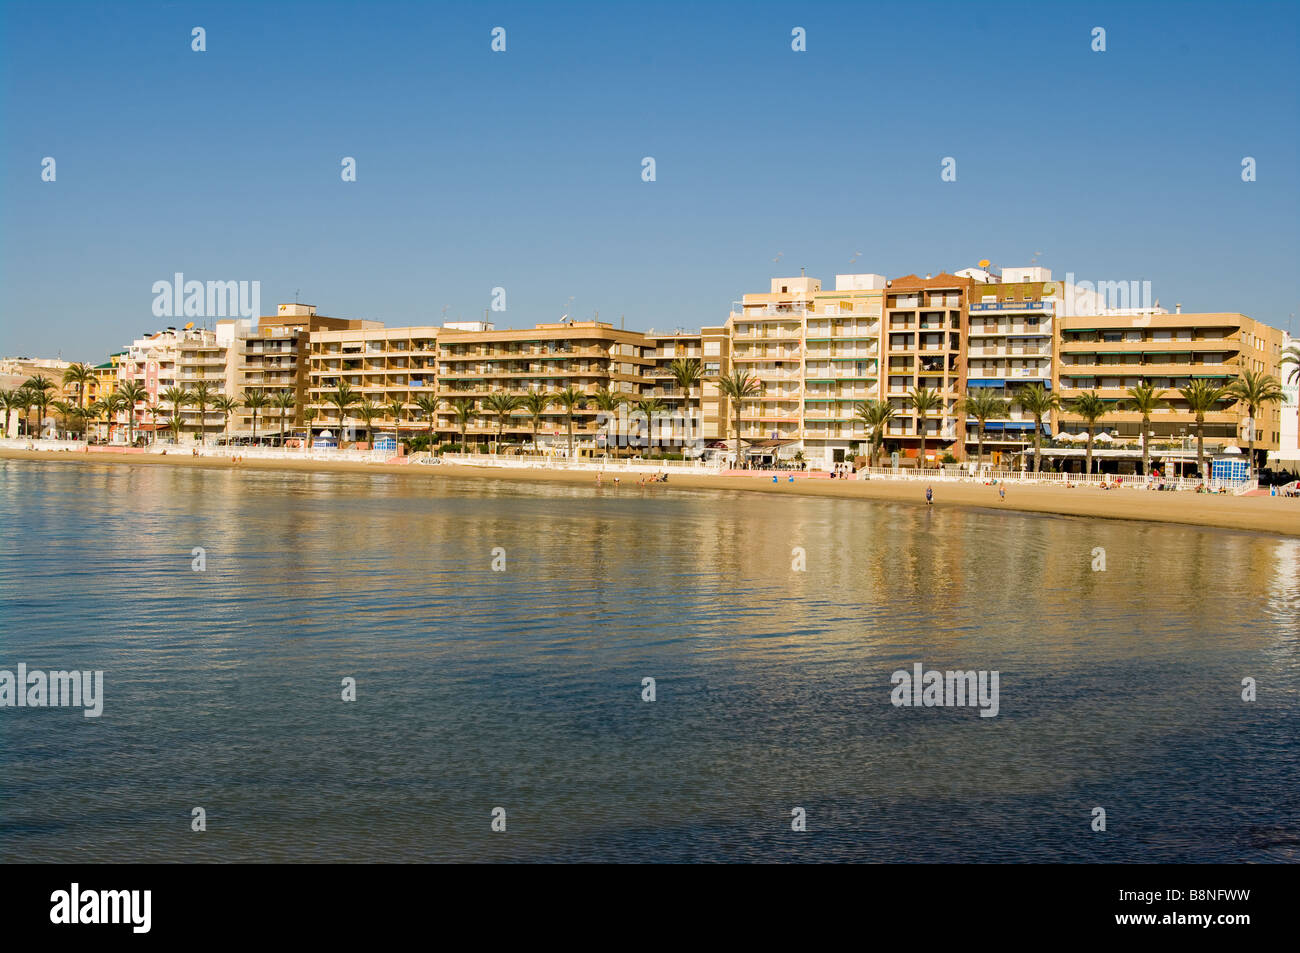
<point>523,169</point>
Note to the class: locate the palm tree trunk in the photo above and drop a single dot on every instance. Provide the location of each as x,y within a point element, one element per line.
<point>1089,468</point>
<point>570,435</point>
<point>737,435</point>
<point>1146,456</point>
<point>1038,442</point>
<point>1250,460</point>
<point>979,442</point>
<point>1200,446</point>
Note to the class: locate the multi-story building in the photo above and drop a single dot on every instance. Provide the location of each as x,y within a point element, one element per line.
<point>924,346</point>
<point>701,406</point>
<point>475,359</point>
<point>841,366</point>
<point>275,359</point>
<point>381,365</point>
<point>1010,343</point>
<point>1110,353</point>
<point>1287,455</point>
<point>214,358</point>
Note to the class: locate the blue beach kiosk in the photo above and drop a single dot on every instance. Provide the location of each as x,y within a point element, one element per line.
<point>386,441</point>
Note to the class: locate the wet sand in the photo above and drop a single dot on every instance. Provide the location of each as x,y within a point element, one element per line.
<point>1276,516</point>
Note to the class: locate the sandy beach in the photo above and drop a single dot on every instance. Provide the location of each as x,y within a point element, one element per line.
<point>1276,516</point>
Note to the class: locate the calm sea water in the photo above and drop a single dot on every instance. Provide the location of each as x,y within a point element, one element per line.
<point>522,689</point>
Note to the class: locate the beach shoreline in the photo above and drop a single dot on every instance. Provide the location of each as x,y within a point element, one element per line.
<point>1275,516</point>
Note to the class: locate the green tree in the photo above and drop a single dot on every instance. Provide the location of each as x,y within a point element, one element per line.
<point>130,394</point>
<point>535,405</point>
<point>650,406</point>
<point>1202,397</point>
<point>924,401</point>
<point>687,372</point>
<point>309,413</point>
<point>368,410</point>
<point>79,376</point>
<point>256,400</point>
<point>736,387</point>
<point>203,396</point>
<point>570,400</point>
<point>1091,408</point>
<point>396,408</point>
<point>607,402</point>
<point>1255,389</point>
<point>1039,403</point>
<point>983,405</point>
<point>39,388</point>
<point>1145,399</point>
<point>178,397</point>
<point>427,405</point>
<point>284,400</point>
<point>342,398</point>
<point>876,415</point>
<point>225,405</point>
<point>502,405</point>
<point>462,409</point>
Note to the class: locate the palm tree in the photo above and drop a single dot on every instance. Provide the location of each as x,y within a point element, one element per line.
<point>309,414</point>
<point>255,399</point>
<point>503,405</point>
<point>395,408</point>
<point>1145,399</point>
<point>924,401</point>
<point>96,409</point>
<point>1202,397</point>
<point>79,375</point>
<point>284,400</point>
<point>535,405</point>
<point>736,388</point>
<point>876,414</point>
<point>225,405</point>
<point>1292,356</point>
<point>1038,402</point>
<point>608,402</point>
<point>368,410</point>
<point>8,403</point>
<point>175,425</point>
<point>203,394</point>
<point>1255,389</point>
<point>569,401</point>
<point>39,388</point>
<point>130,394</point>
<point>342,399</point>
<point>427,404</point>
<point>25,398</point>
<point>462,409</point>
<point>687,372</point>
<point>154,409</point>
<point>64,410</point>
<point>983,404</point>
<point>178,397</point>
<point>1091,408</point>
<point>650,406</point>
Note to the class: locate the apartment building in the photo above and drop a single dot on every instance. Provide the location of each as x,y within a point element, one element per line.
<point>382,366</point>
<point>1109,353</point>
<point>275,358</point>
<point>475,359</point>
<point>924,346</point>
<point>1010,343</point>
<point>702,405</point>
<point>214,358</point>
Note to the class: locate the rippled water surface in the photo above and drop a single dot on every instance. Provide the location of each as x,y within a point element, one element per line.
<point>522,689</point>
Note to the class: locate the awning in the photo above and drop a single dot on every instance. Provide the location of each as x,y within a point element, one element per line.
<point>767,443</point>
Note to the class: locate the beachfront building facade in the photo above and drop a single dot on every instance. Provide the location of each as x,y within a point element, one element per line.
<point>815,354</point>
<point>1111,353</point>
<point>211,358</point>
<point>388,370</point>
<point>924,347</point>
<point>700,403</point>
<point>1010,344</point>
<point>275,358</point>
<point>475,360</point>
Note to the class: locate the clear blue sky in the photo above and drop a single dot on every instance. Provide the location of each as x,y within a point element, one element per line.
<point>523,170</point>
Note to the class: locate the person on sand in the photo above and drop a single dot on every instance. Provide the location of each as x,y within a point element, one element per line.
<point>929,496</point>
<point>598,476</point>
<point>1002,492</point>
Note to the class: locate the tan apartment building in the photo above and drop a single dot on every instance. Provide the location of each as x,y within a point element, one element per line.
<point>275,358</point>
<point>476,359</point>
<point>1111,353</point>
<point>213,358</point>
<point>381,365</point>
<point>1010,343</point>
<point>706,346</point>
<point>924,345</point>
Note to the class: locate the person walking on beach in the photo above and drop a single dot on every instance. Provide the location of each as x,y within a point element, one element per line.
<point>929,496</point>
<point>1002,492</point>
